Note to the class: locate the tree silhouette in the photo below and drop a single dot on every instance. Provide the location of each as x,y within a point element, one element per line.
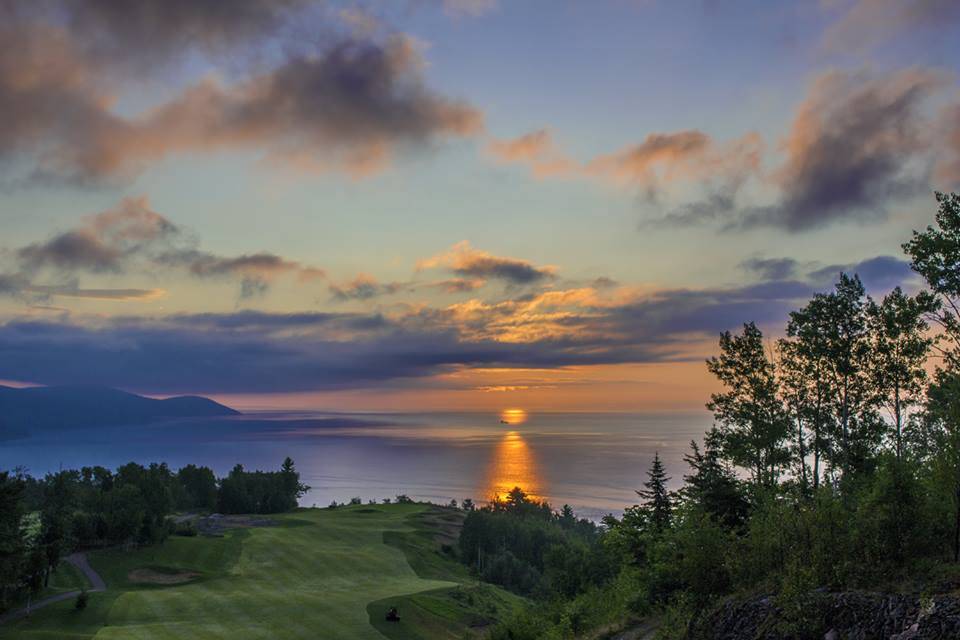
<point>655,496</point>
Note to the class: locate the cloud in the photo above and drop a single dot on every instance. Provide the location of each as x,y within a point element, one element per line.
<point>262,352</point>
<point>867,23</point>
<point>18,285</point>
<point>771,268</point>
<point>850,149</point>
<point>537,150</point>
<point>663,158</point>
<point>349,105</point>
<point>74,291</point>
<point>365,287</point>
<point>857,144</point>
<point>463,260</point>
<point>102,242</point>
<point>881,273</point>
<point>155,30</point>
<point>948,164</point>
<point>457,285</point>
<point>132,238</point>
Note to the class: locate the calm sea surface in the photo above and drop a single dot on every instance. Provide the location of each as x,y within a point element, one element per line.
<point>593,461</point>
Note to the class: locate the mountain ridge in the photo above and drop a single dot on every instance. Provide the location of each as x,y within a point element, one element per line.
<point>55,408</point>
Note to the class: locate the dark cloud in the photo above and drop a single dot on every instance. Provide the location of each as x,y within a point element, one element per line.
<point>857,144</point>
<point>365,287</point>
<point>463,260</point>
<point>171,27</point>
<point>878,274</point>
<point>771,268</point>
<point>132,238</point>
<point>850,150</point>
<point>260,352</point>
<point>103,242</point>
<point>349,104</point>
<point>457,285</point>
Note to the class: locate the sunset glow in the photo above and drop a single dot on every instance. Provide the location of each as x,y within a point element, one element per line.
<point>392,216</point>
<point>513,416</point>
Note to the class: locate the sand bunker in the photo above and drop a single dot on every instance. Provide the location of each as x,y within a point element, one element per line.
<point>150,576</point>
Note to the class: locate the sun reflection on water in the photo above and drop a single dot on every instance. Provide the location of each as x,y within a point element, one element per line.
<point>513,465</point>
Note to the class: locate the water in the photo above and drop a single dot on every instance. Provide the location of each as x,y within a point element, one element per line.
<point>592,461</point>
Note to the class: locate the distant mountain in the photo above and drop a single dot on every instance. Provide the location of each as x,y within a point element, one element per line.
<point>30,409</point>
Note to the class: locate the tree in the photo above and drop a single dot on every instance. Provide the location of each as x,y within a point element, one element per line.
<point>753,425</point>
<point>799,390</point>
<point>935,254</point>
<point>12,547</point>
<point>804,361</point>
<point>898,351</point>
<point>712,486</point>
<point>943,416</point>
<point>655,494</point>
<point>832,332</point>
<point>199,488</point>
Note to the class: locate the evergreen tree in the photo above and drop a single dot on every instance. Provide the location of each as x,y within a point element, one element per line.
<point>713,486</point>
<point>12,546</point>
<point>655,495</point>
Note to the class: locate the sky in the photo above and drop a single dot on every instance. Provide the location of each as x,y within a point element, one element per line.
<point>451,204</point>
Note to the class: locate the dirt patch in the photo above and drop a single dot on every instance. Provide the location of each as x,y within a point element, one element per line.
<point>152,576</point>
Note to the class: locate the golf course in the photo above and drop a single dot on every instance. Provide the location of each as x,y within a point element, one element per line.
<point>312,573</point>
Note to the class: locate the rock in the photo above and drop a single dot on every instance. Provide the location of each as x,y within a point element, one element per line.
<point>847,615</point>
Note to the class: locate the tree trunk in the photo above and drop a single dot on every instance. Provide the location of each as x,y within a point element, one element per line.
<point>898,419</point>
<point>956,522</point>
<point>803,460</point>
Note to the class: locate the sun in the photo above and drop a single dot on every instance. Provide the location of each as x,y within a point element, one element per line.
<point>513,416</point>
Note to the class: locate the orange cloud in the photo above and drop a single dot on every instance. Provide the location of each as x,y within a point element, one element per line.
<point>536,149</point>
<point>464,260</point>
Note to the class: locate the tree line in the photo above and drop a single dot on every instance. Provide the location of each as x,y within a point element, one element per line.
<point>833,463</point>
<point>44,519</point>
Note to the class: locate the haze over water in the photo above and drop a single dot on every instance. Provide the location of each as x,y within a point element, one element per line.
<point>593,461</point>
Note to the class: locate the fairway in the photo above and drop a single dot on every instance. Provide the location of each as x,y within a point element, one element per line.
<point>312,575</point>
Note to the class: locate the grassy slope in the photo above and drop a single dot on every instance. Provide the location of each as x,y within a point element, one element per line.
<point>445,613</point>
<point>313,576</point>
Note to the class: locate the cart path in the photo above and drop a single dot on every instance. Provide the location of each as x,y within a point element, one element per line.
<point>79,560</point>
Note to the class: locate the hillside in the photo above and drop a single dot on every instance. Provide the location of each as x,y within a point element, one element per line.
<point>314,573</point>
<point>59,408</point>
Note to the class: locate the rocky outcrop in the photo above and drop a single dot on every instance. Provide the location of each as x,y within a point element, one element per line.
<point>849,615</point>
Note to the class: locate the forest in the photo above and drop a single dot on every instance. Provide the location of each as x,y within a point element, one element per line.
<point>833,464</point>
<point>42,520</point>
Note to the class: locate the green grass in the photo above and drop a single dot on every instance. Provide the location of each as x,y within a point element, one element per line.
<point>317,574</point>
<point>448,613</point>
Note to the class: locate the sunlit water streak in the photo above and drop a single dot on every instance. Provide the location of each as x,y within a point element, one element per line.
<point>512,465</point>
